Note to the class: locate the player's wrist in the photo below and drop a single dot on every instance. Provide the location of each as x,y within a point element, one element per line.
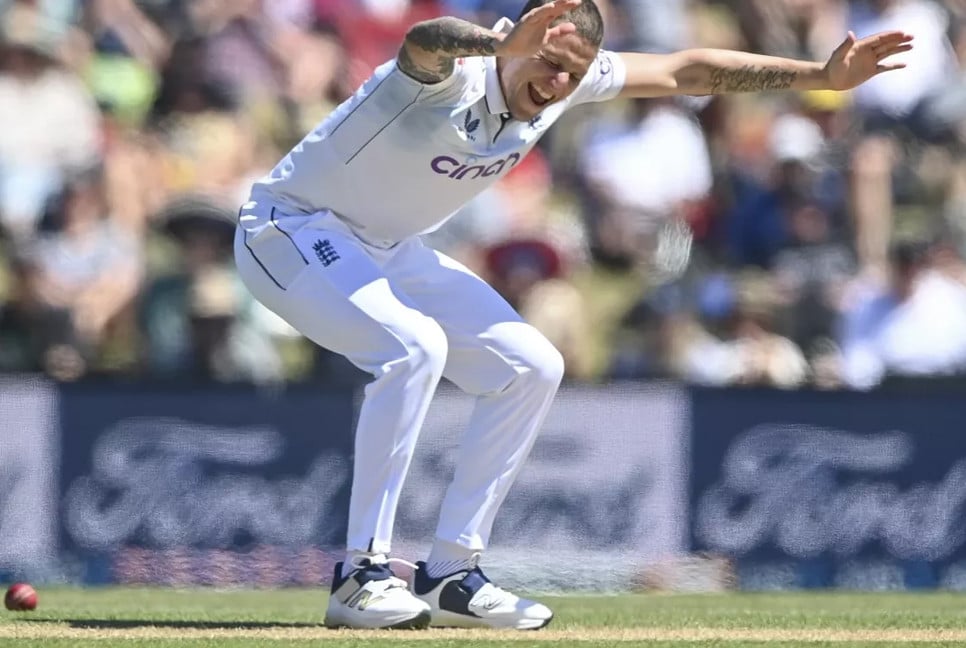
<point>813,76</point>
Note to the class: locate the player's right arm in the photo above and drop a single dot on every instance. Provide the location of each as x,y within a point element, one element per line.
<point>431,47</point>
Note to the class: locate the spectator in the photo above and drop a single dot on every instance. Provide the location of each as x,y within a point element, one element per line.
<point>885,107</point>
<point>635,190</point>
<point>127,51</point>
<point>658,337</point>
<point>530,274</point>
<point>48,120</point>
<point>913,326</point>
<point>197,320</point>
<point>796,28</point>
<point>82,276</point>
<point>761,355</point>
<point>811,273</point>
<point>757,219</point>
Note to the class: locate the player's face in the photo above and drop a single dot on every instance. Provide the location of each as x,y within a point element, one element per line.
<point>532,84</point>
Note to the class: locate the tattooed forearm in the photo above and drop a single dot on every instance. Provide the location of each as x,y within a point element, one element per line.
<point>749,78</point>
<point>430,48</point>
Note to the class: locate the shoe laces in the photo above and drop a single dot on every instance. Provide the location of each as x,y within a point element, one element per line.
<point>475,560</point>
<point>361,561</point>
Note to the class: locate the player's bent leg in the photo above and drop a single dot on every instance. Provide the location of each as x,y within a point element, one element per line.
<point>515,372</point>
<point>397,399</point>
<point>344,302</point>
<point>504,425</point>
<point>467,599</point>
<point>370,596</point>
<point>501,433</point>
<point>493,353</point>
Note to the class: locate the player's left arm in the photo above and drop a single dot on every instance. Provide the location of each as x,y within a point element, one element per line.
<point>715,71</point>
<point>431,47</point>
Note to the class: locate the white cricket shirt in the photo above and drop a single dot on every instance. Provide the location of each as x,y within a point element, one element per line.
<point>399,157</point>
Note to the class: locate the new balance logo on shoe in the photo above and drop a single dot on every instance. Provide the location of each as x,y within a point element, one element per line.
<point>360,600</point>
<point>325,252</point>
<point>487,602</point>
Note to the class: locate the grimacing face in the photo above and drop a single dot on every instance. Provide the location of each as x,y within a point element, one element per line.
<point>532,84</point>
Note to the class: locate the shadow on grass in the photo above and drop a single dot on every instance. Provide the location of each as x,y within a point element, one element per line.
<point>120,624</point>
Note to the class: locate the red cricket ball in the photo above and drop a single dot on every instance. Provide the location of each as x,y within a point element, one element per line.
<point>20,597</point>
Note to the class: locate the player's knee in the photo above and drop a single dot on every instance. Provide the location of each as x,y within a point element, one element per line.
<point>543,361</point>
<point>428,348</point>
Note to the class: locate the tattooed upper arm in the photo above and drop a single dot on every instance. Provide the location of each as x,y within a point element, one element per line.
<point>422,71</point>
<point>432,46</point>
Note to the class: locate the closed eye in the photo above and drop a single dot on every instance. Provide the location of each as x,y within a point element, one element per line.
<point>574,77</point>
<point>549,62</point>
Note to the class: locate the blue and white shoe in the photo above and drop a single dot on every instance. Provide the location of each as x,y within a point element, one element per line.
<point>371,596</point>
<point>467,599</point>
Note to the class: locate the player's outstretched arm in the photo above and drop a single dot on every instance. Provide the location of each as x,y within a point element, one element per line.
<point>711,71</point>
<point>430,48</point>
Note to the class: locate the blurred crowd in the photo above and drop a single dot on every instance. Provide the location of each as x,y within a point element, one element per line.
<point>781,239</point>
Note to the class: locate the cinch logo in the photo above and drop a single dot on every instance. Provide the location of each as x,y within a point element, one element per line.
<point>448,166</point>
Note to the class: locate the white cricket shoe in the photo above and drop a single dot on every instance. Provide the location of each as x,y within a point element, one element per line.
<point>467,599</point>
<point>371,596</point>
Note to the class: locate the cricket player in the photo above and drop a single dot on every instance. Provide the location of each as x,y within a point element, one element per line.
<point>329,240</point>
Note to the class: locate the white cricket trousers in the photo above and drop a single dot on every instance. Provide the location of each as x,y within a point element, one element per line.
<point>407,315</point>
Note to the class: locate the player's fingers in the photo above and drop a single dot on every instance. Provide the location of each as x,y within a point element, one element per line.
<point>888,67</point>
<point>537,15</point>
<point>895,49</point>
<point>541,12</point>
<point>886,39</point>
<point>549,12</point>
<point>846,45</point>
<point>890,35</point>
<point>561,30</point>
<point>567,5</point>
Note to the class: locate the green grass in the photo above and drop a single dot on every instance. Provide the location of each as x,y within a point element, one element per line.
<point>194,618</point>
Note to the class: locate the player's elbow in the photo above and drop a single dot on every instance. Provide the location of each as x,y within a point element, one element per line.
<point>423,35</point>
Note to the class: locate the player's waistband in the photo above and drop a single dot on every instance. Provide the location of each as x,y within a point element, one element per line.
<point>263,210</point>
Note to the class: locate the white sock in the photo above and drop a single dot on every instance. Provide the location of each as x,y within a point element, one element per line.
<point>447,558</point>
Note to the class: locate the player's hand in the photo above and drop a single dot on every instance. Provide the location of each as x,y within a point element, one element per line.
<point>856,61</point>
<point>533,31</point>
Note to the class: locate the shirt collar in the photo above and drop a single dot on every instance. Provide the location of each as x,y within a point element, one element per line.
<point>494,99</point>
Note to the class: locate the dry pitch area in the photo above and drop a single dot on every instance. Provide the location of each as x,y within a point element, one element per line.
<point>156,617</point>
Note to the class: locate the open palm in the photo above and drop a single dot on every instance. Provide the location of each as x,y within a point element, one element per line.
<point>856,61</point>
<point>533,31</point>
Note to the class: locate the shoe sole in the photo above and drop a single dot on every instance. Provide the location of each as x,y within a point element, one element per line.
<point>544,624</point>
<point>418,622</point>
<point>475,623</point>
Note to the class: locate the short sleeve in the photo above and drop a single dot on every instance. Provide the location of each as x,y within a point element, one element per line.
<point>603,81</point>
<point>465,72</point>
